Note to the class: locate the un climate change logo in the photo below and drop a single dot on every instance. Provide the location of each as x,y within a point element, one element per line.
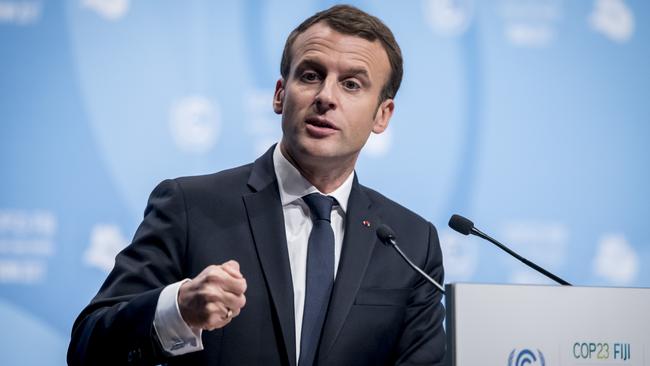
<point>526,357</point>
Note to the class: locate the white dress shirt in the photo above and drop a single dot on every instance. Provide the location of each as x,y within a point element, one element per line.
<point>177,338</point>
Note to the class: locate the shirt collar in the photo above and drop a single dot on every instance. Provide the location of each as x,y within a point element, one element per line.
<point>294,186</point>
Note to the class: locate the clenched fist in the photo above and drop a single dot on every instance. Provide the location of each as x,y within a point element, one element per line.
<point>214,297</point>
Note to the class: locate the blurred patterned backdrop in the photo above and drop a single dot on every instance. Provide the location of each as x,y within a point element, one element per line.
<point>529,116</point>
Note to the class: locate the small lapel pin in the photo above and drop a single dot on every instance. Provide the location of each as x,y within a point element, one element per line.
<point>365,223</point>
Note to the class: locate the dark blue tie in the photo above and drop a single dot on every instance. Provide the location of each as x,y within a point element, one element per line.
<point>320,275</point>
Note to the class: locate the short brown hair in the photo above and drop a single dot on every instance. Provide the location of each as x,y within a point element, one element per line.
<point>349,20</point>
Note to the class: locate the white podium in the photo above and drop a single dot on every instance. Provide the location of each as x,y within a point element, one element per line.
<point>530,325</point>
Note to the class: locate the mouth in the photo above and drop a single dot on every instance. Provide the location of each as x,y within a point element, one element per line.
<point>321,123</point>
<point>320,128</point>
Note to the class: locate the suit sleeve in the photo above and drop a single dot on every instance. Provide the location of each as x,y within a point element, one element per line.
<point>423,340</point>
<point>116,328</point>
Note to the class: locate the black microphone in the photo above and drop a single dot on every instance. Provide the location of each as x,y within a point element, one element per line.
<point>466,227</point>
<point>387,236</point>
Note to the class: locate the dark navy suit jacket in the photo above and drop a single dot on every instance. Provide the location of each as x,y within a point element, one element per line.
<point>381,312</point>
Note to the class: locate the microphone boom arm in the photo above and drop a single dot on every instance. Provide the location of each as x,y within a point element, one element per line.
<point>539,269</point>
<point>416,268</point>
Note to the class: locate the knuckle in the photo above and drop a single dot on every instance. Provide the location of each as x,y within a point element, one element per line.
<point>239,286</point>
<point>244,285</point>
<point>226,299</point>
<point>214,276</point>
<point>238,302</point>
<point>209,270</point>
<point>233,264</point>
<point>211,308</point>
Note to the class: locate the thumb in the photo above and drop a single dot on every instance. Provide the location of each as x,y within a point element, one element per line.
<point>232,267</point>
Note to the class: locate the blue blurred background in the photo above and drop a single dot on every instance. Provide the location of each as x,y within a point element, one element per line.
<point>529,116</point>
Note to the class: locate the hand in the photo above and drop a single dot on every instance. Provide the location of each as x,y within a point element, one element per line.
<point>214,297</point>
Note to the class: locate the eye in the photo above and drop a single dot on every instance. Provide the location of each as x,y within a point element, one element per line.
<point>351,85</point>
<point>309,76</point>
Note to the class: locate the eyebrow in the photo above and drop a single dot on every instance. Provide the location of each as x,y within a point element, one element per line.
<point>314,64</point>
<point>358,72</point>
<point>309,63</point>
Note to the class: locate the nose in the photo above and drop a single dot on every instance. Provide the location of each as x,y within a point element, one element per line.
<point>326,97</point>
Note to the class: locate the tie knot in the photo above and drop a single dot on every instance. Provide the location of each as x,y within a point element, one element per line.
<point>320,206</point>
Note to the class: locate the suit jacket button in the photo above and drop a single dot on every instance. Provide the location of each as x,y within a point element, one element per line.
<point>134,356</point>
<point>130,357</point>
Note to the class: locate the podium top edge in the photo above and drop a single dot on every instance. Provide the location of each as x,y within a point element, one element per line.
<point>504,285</point>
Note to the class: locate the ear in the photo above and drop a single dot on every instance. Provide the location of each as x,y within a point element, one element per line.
<point>383,115</point>
<point>278,96</point>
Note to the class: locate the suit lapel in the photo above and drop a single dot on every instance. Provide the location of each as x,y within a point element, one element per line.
<point>266,219</point>
<point>358,245</point>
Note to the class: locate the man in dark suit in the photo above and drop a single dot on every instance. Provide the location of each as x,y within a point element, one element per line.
<point>277,262</point>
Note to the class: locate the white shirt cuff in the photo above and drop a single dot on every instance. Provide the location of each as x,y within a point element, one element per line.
<point>175,336</point>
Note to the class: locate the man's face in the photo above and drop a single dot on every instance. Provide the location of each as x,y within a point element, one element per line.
<point>330,100</point>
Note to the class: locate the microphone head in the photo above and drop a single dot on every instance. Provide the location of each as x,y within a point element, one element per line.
<point>461,224</point>
<point>385,234</point>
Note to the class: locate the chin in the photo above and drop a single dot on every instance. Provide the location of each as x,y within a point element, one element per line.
<point>319,149</point>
